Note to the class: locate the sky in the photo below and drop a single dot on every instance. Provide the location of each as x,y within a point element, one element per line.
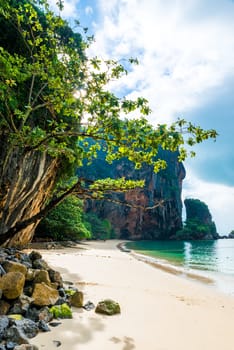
<point>186,70</point>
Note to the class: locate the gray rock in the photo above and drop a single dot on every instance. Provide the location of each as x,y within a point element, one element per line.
<point>89,306</point>
<point>55,324</point>
<point>62,293</point>
<point>61,301</point>
<point>28,327</point>
<point>32,313</point>
<point>4,323</point>
<point>14,334</point>
<point>43,326</point>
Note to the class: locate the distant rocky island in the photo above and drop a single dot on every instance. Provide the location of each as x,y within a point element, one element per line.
<point>162,193</point>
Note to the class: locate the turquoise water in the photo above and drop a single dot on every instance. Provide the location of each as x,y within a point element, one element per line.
<point>214,259</point>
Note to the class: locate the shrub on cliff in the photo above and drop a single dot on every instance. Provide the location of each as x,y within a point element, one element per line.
<point>100,228</point>
<point>65,222</point>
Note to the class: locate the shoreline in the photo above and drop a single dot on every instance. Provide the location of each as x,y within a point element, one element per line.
<point>154,304</point>
<point>219,281</point>
<point>166,266</point>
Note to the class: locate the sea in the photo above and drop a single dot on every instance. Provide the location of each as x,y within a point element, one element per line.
<point>211,260</point>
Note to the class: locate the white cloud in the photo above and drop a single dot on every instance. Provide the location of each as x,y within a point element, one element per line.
<point>89,10</point>
<point>186,53</point>
<point>181,57</point>
<point>70,8</point>
<point>218,197</point>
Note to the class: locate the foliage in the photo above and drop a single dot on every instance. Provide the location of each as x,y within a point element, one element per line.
<point>66,221</point>
<point>54,99</point>
<point>100,228</point>
<point>53,96</point>
<point>198,224</point>
<point>196,209</point>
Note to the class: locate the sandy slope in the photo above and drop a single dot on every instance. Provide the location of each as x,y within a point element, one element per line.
<point>160,311</point>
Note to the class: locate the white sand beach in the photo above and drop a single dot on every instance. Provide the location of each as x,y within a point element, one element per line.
<point>159,310</point>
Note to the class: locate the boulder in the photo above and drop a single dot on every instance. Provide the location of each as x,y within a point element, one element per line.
<point>77,299</point>
<point>108,307</point>
<point>42,276</point>
<point>15,335</point>
<point>28,327</point>
<point>55,277</point>
<point>12,284</point>
<point>40,264</point>
<point>12,266</point>
<point>44,295</point>
<point>34,255</point>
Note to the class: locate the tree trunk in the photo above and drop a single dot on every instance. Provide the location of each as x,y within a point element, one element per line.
<point>26,182</point>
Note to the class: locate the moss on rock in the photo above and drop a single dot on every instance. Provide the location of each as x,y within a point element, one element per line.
<point>61,311</point>
<point>108,307</point>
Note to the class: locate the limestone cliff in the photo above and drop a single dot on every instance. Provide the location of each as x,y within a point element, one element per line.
<point>136,223</point>
<point>26,179</point>
<point>199,224</point>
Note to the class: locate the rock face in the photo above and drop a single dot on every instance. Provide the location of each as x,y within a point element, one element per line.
<point>136,223</point>
<point>26,179</point>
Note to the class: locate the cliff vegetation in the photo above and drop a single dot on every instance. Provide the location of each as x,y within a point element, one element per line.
<point>198,224</point>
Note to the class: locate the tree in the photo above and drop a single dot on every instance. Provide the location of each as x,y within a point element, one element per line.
<point>65,221</point>
<point>52,100</point>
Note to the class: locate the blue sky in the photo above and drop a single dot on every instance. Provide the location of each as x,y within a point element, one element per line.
<point>186,54</point>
